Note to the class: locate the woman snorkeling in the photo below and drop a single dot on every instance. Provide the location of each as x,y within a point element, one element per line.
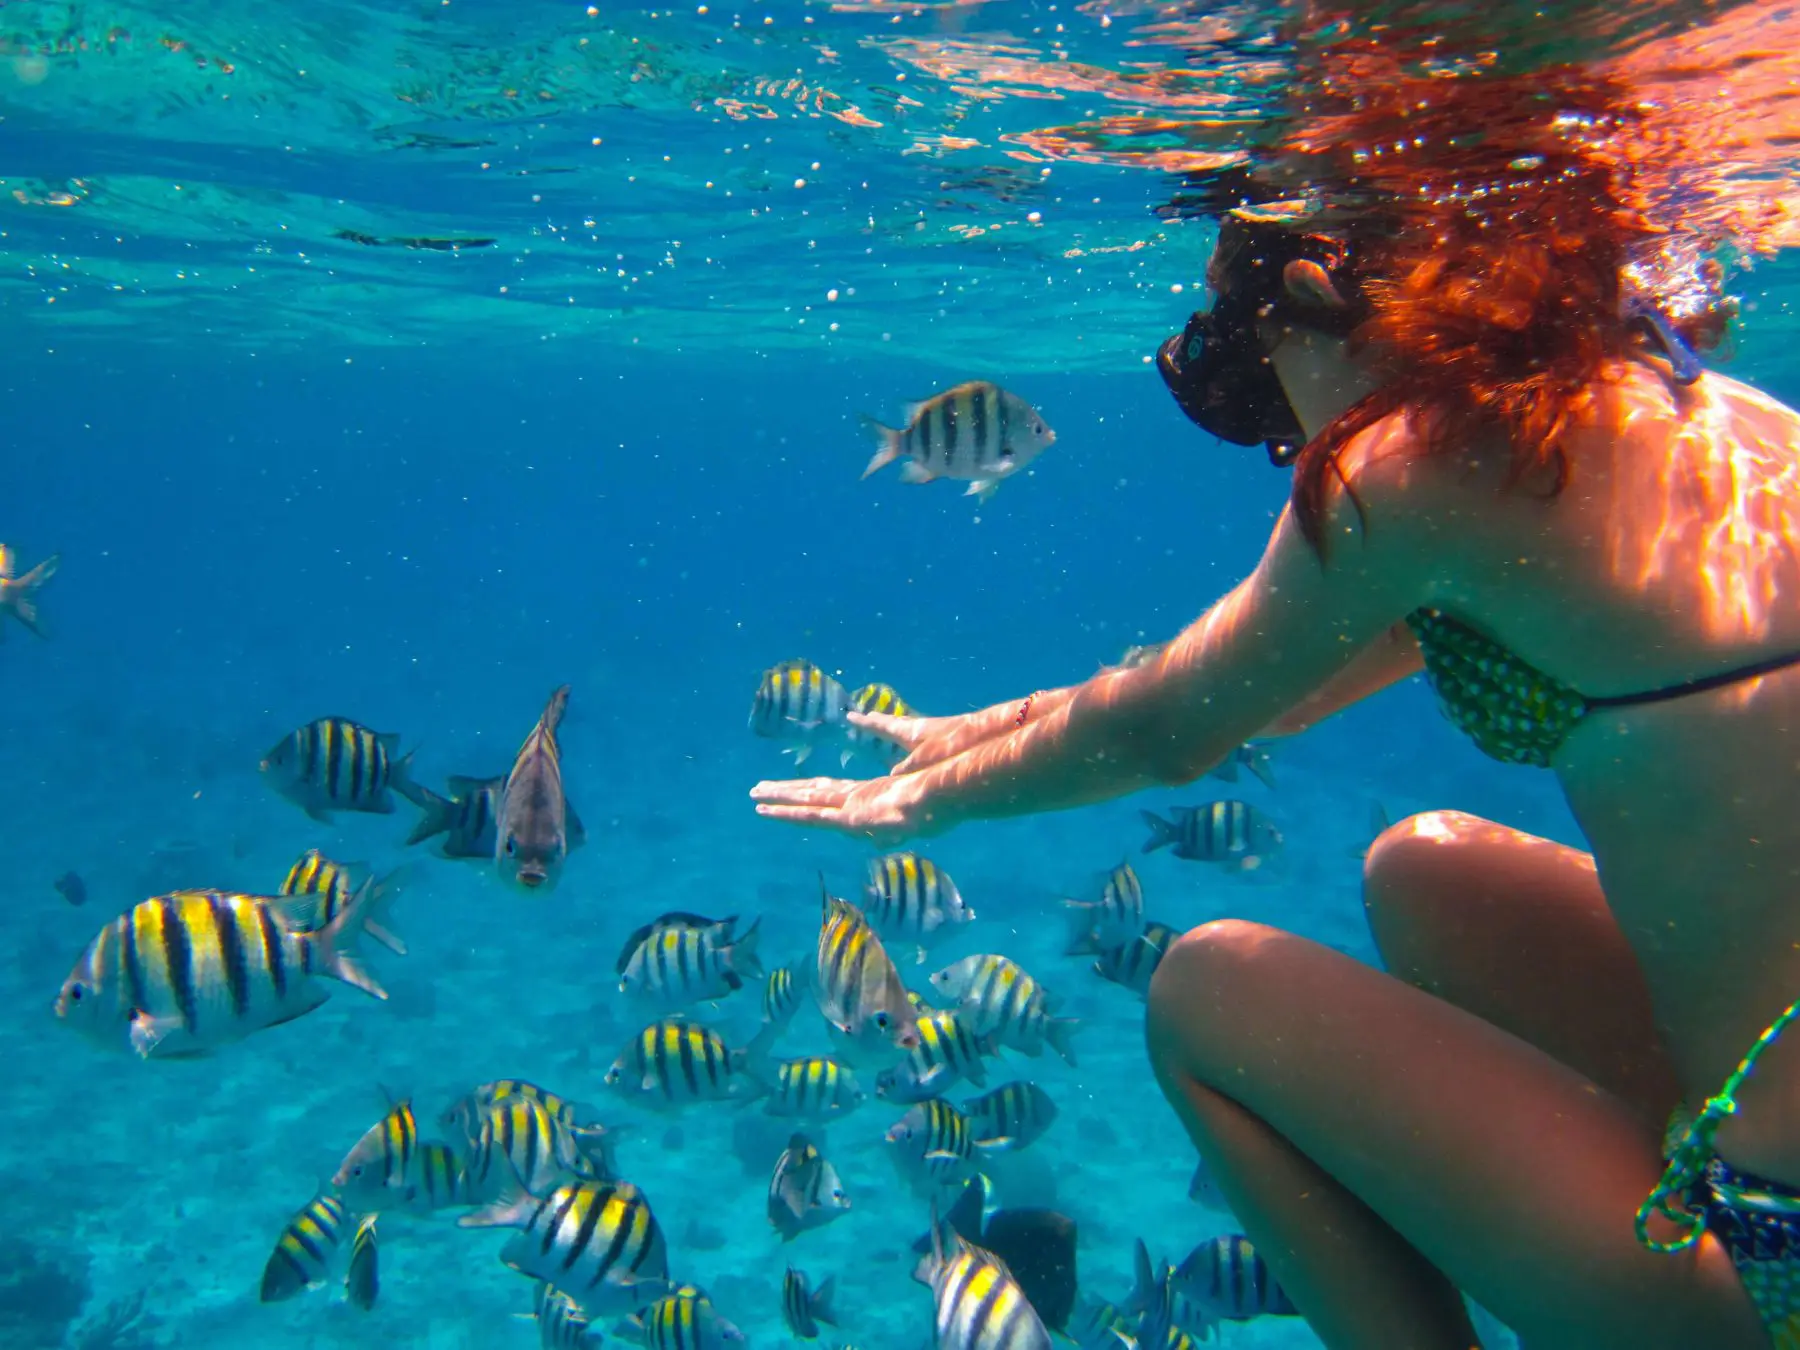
<point>1510,470</point>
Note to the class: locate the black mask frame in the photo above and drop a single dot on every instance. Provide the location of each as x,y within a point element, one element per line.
<point>1216,367</point>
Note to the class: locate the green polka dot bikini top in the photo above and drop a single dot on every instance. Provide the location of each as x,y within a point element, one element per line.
<point>1514,711</point>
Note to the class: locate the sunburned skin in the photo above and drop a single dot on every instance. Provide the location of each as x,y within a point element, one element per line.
<point>1669,556</point>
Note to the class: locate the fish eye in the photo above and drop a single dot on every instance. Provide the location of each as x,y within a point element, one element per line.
<point>356,1171</point>
<point>511,846</point>
<point>881,1020</point>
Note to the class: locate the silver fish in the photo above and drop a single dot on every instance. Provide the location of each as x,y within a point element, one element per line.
<point>933,1147</point>
<point>805,1190</point>
<point>536,828</point>
<point>683,1320</point>
<point>911,899</point>
<point>672,1063</point>
<point>306,1250</point>
<point>976,432</point>
<point>815,1089</point>
<point>948,1049</point>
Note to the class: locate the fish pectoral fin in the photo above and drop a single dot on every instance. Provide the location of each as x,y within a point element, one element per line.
<point>939,1155</point>
<point>147,1032</point>
<point>648,1084</point>
<point>982,488</point>
<point>574,832</point>
<point>322,816</point>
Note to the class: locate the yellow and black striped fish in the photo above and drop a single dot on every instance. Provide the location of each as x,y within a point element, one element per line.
<point>857,986</point>
<point>1133,963</point>
<point>323,888</point>
<point>306,1250</point>
<point>933,1146</point>
<point>362,1281</point>
<point>466,818</point>
<point>813,1088</point>
<point>186,972</point>
<point>442,1182</point>
<point>535,829</point>
<point>521,1144</point>
<point>999,998</point>
<point>334,764</point>
<point>796,701</point>
<point>382,1168</point>
<point>597,1238</point>
<point>684,1320</point>
<point>1223,1279</point>
<point>976,432</point>
<point>1010,1117</point>
<point>1112,920</point>
<point>465,1117</point>
<point>803,1308</point>
<point>681,965</point>
<point>876,698</point>
<point>1232,833</point>
<point>948,1049</point>
<point>781,997</point>
<point>980,1306</point>
<point>561,1323</point>
<point>673,1062</point>
<point>909,898</point>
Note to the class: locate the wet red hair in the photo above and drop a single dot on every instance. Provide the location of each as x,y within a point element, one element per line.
<point>1491,222</point>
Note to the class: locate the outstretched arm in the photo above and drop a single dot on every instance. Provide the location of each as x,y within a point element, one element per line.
<point>1287,631</point>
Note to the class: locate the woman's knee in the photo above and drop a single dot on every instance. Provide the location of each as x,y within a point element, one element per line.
<point>1408,862</point>
<point>1211,978</point>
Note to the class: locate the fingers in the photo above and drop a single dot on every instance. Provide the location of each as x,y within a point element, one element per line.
<point>811,793</point>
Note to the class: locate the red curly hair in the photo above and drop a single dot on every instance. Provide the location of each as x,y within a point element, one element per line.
<point>1492,221</point>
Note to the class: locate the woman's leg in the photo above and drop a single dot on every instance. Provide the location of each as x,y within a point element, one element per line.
<point>1370,1136</point>
<point>1516,930</point>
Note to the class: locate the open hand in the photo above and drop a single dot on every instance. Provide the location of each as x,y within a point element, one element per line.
<point>886,810</point>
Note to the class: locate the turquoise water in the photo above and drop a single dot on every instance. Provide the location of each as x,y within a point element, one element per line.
<point>293,473</point>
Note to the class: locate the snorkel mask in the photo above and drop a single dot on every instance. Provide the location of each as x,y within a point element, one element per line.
<point>1216,367</point>
<point>1220,373</point>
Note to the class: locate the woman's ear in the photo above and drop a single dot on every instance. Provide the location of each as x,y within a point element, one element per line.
<point>1310,284</point>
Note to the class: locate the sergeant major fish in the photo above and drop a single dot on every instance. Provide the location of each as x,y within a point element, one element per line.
<point>1232,833</point>
<point>18,594</point>
<point>975,432</point>
<point>947,1050</point>
<point>466,818</point>
<point>330,886</point>
<point>856,985</point>
<point>679,966</point>
<point>682,1320</point>
<point>382,1167</point>
<point>535,827</point>
<point>306,1250</point>
<point>673,1062</point>
<point>803,1308</point>
<point>815,1088</point>
<point>186,972</point>
<point>334,764</point>
<point>598,1241</point>
<point>796,701</point>
<point>933,1146</point>
<point>1001,999</point>
<point>362,1281</point>
<point>1115,918</point>
<point>1133,964</point>
<point>910,898</point>
<point>561,1323</point>
<point>980,1306</point>
<point>1011,1117</point>
<point>876,698</point>
<point>721,931</point>
<point>805,1191</point>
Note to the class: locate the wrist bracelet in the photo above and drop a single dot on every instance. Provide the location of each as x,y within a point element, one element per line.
<point>1025,708</point>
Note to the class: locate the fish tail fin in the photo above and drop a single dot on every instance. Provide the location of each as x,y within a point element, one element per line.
<point>334,945</point>
<point>22,598</point>
<point>1057,1031</point>
<point>439,812</point>
<point>512,1207</point>
<point>819,1305</point>
<point>1162,832</point>
<point>745,963</point>
<point>375,921</point>
<point>554,710</point>
<point>1265,772</point>
<point>887,440</point>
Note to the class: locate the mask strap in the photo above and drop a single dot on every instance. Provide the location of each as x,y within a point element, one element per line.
<point>1643,314</point>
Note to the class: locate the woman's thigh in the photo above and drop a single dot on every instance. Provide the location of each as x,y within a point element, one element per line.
<point>1516,930</point>
<point>1507,1170</point>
